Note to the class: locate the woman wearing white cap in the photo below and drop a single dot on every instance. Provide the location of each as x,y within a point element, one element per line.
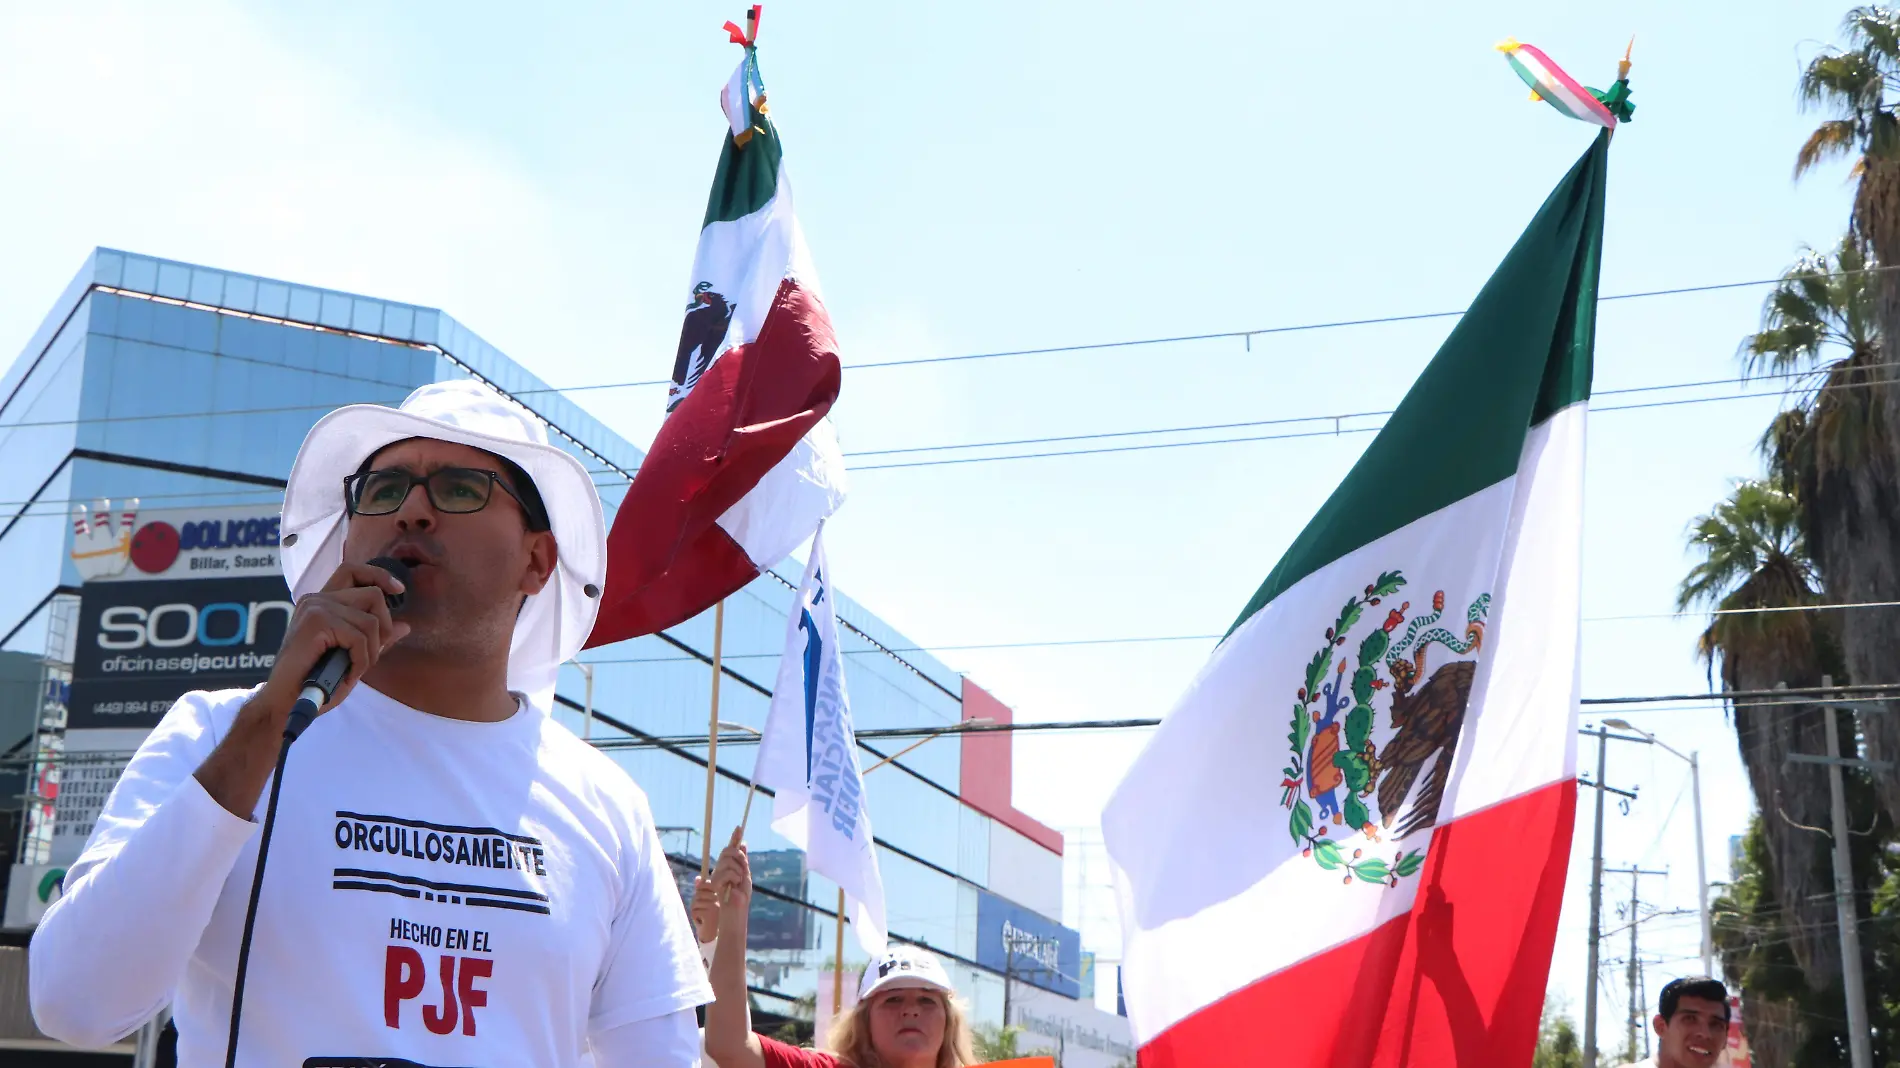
<point>906,1016</point>
<point>453,877</point>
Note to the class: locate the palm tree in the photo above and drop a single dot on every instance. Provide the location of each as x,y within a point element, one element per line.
<point>1835,449</point>
<point>1856,527</point>
<point>1852,84</point>
<point>1753,556</point>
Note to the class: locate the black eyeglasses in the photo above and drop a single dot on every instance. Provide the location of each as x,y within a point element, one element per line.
<point>457,490</point>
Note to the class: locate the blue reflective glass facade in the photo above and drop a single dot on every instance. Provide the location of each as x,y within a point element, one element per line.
<point>187,386</point>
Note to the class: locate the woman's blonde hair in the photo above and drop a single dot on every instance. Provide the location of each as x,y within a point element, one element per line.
<point>851,1039</point>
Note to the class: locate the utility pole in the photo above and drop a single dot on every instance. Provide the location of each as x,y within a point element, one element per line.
<point>1014,943</point>
<point>1596,910</point>
<point>1645,1000</point>
<point>1853,983</point>
<point>1701,868</point>
<point>1637,1008</point>
<point>1596,895</point>
<point>1636,968</point>
<point>1009,975</point>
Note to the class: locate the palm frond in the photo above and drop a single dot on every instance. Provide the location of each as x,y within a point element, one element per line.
<point>1847,83</point>
<point>1874,30</point>
<point>1756,530</point>
<point>1833,139</point>
<point>1824,302</point>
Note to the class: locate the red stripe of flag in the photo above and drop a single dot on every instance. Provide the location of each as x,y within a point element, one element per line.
<point>1466,968</point>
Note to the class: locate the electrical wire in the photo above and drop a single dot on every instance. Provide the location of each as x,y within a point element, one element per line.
<point>1247,335</point>
<point>1166,638</point>
<point>1338,431</point>
<point>626,743</point>
<point>1663,827</point>
<point>1337,419</point>
<point>878,645</point>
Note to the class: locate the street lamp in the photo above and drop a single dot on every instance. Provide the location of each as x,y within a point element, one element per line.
<point>980,721</point>
<point>1701,858</point>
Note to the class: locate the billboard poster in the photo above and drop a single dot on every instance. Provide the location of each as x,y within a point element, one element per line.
<point>174,600</point>
<point>1026,946</point>
<point>160,545</point>
<point>776,923</point>
<point>171,601</point>
<point>142,644</point>
<point>90,766</point>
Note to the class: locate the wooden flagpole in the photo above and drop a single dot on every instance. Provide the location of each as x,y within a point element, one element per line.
<point>751,791</point>
<point>837,967</point>
<point>712,740</point>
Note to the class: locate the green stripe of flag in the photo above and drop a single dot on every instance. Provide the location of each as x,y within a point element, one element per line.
<point>1521,352</point>
<point>747,178</point>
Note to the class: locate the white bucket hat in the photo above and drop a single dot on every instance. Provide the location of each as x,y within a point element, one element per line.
<point>554,623</point>
<point>903,966</point>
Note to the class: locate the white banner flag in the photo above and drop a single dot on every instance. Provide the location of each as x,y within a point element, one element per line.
<point>809,756</point>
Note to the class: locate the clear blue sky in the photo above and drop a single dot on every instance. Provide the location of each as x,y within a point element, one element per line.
<point>985,176</point>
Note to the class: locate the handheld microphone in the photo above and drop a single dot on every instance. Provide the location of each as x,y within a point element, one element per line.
<point>333,666</point>
<point>330,670</point>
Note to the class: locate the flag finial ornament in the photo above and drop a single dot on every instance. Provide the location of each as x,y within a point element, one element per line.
<point>749,37</point>
<point>1549,83</point>
<point>743,98</point>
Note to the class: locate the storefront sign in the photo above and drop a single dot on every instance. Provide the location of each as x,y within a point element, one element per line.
<point>142,644</point>
<point>1081,1035</point>
<point>1027,947</point>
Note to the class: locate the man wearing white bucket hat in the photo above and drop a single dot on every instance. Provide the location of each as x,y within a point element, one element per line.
<point>453,878</point>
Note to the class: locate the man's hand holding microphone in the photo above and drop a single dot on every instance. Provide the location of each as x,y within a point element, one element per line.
<point>352,616</point>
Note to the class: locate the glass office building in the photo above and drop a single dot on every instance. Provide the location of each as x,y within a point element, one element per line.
<point>188,387</point>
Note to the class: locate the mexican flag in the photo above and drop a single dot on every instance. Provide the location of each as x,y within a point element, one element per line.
<point>747,463</point>
<point>1346,844</point>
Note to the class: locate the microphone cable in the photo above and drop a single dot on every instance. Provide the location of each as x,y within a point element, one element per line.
<point>329,671</point>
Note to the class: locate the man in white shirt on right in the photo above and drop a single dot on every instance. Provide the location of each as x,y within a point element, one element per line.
<point>1691,1024</point>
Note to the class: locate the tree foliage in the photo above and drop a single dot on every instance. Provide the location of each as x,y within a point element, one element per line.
<point>1795,1017</point>
<point>1558,1045</point>
<point>1000,1043</point>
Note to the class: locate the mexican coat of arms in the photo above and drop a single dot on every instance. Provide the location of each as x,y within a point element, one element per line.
<point>1373,737</point>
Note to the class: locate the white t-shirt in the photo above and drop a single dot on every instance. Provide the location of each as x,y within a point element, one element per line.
<point>440,891</point>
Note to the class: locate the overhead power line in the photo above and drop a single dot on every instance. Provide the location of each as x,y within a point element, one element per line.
<point>1096,725</point>
<point>1166,638</point>
<point>1337,430</point>
<point>1246,335</point>
<point>1739,698</point>
<point>147,417</point>
<point>1336,419</point>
